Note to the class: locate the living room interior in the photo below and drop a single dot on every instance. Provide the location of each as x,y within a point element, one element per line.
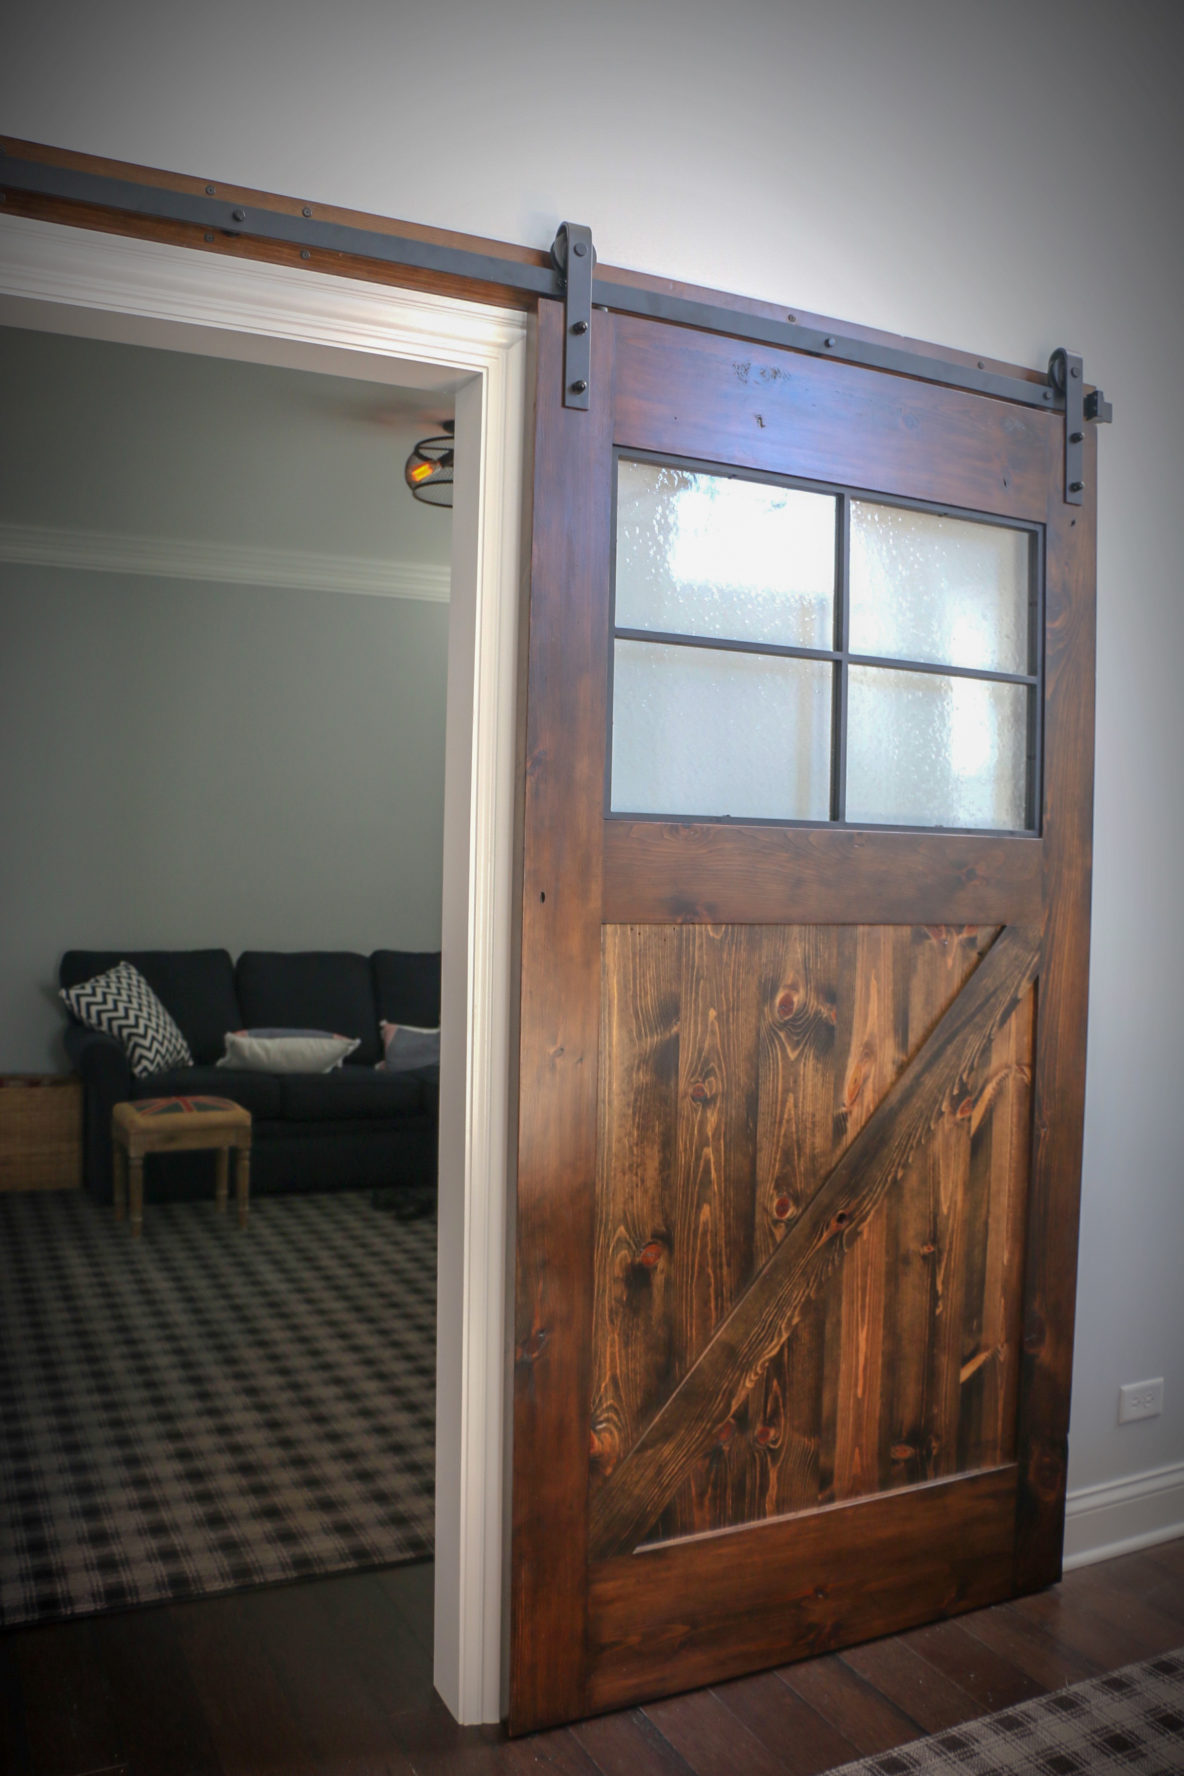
<point>226,624</point>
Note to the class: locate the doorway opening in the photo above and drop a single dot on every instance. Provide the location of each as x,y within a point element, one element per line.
<point>391,363</point>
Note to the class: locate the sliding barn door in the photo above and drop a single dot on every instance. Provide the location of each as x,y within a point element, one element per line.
<point>804,952</point>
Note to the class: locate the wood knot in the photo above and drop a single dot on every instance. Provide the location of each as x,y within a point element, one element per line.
<point>840,1221</point>
<point>604,1447</point>
<point>532,1348</point>
<point>700,1092</point>
<point>902,1452</point>
<point>764,1434</point>
<point>783,1208</point>
<point>928,1249</point>
<point>726,1432</point>
<point>650,1254</point>
<point>787,1003</point>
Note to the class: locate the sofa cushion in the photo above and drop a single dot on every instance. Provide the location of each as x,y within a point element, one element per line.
<point>257,1092</point>
<point>195,986</point>
<point>407,983</point>
<point>351,1094</point>
<point>310,990</point>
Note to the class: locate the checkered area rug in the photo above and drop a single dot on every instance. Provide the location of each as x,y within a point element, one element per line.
<point>204,1409</point>
<point>1130,1723</point>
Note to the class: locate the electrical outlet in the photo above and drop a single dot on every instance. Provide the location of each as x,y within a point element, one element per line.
<point>1140,1399</point>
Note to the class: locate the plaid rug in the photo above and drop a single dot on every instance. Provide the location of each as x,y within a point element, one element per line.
<point>1130,1723</point>
<point>204,1409</point>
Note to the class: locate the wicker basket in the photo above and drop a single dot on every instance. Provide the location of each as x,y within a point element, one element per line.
<point>40,1131</point>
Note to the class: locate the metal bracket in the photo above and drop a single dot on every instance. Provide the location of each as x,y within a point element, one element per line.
<point>574,257</point>
<point>1067,376</point>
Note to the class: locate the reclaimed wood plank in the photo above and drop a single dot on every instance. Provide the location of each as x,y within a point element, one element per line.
<point>768,1311</point>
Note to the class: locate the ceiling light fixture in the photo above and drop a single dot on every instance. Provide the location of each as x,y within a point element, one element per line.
<point>428,470</point>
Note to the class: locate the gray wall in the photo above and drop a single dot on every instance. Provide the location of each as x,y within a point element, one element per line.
<point>1003,177</point>
<point>192,764</point>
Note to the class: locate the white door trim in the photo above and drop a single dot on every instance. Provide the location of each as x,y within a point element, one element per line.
<point>88,282</point>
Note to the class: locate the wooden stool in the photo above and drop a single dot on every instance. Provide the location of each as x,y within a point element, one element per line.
<point>178,1125</point>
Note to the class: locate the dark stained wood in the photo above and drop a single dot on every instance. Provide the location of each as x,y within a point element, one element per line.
<point>759,1324</point>
<point>759,407</point>
<point>786,1724</point>
<point>694,1611</point>
<point>634,1313</point>
<point>248,1711</point>
<point>1099,1622</point>
<point>798,1031</point>
<point>711,1739</point>
<point>1044,1655</point>
<point>1050,1285</point>
<point>349,1634</point>
<point>623,1743</point>
<point>141,1658</point>
<point>918,1688</point>
<point>851,1705</point>
<point>712,1248</point>
<point>69,1718</point>
<point>992,1681</point>
<point>558,1041</point>
<point>671,872</point>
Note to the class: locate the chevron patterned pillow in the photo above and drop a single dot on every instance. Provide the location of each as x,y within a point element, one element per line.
<point>120,1003</point>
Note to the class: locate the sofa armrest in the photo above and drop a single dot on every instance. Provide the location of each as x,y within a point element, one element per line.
<point>100,1061</point>
<point>106,1075</point>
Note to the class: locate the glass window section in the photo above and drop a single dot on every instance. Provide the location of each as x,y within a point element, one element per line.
<point>716,733</point>
<point>927,749</point>
<point>949,591</point>
<point>703,554</point>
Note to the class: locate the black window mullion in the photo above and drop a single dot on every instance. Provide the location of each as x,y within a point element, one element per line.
<point>838,789</point>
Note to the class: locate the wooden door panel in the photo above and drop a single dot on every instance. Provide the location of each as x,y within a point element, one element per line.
<point>799,1112</point>
<point>738,1065</point>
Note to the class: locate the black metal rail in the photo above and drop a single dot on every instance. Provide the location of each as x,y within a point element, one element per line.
<point>216,215</point>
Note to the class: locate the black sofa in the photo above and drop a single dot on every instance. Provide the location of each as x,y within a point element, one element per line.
<point>355,1128</point>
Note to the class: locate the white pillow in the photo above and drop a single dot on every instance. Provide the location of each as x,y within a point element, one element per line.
<point>286,1051</point>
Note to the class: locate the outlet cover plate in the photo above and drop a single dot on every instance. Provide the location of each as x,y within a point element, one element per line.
<point>1140,1399</point>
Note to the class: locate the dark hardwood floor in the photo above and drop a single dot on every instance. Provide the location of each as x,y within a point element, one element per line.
<point>333,1678</point>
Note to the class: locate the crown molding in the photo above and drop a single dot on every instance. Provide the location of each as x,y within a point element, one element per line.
<point>235,564</point>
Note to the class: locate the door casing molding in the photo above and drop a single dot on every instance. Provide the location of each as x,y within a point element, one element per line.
<point>111,286</point>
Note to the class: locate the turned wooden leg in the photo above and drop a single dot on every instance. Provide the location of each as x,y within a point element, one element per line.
<point>223,1173</point>
<point>135,1185</point>
<point>119,1180</point>
<point>242,1183</point>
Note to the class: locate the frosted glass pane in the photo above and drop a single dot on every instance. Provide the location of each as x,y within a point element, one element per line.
<point>940,589</point>
<point>709,555</point>
<point>927,750</point>
<point>708,732</point>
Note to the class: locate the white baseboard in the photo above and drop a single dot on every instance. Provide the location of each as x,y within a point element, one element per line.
<point>1123,1516</point>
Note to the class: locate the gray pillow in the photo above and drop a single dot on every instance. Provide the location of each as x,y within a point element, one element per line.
<point>407,1048</point>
